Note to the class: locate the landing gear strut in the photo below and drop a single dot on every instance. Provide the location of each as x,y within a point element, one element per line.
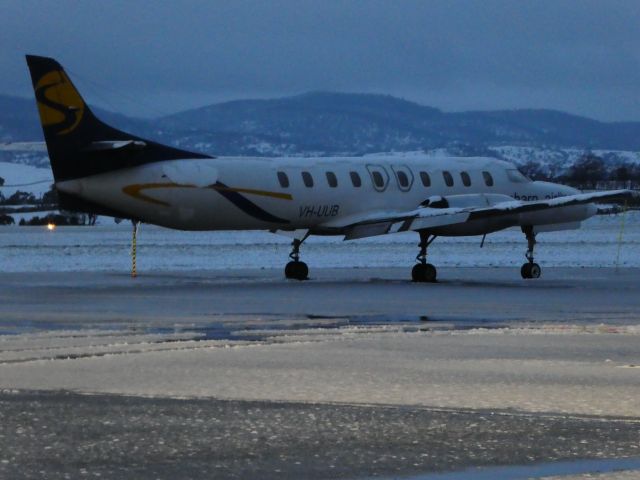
<point>530,269</point>
<point>295,268</point>
<point>423,271</point>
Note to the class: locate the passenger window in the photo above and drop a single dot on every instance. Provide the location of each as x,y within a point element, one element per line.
<point>283,179</point>
<point>466,179</point>
<point>355,179</point>
<point>488,179</point>
<point>404,177</point>
<point>426,179</point>
<point>403,180</point>
<point>307,179</point>
<point>448,178</point>
<point>377,179</point>
<point>332,180</point>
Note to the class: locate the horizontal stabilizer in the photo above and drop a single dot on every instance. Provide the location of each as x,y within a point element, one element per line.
<point>116,145</point>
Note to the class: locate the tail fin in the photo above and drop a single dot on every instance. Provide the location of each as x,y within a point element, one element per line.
<point>79,144</point>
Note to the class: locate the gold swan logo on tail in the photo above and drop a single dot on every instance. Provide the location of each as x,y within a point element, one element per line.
<point>60,105</point>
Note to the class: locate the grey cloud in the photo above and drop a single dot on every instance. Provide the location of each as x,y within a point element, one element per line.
<point>582,56</point>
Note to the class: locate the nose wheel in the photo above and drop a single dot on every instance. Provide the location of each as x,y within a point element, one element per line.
<point>423,271</point>
<point>530,269</point>
<point>296,269</point>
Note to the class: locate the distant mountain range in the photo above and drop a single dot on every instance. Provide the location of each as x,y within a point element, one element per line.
<point>338,123</point>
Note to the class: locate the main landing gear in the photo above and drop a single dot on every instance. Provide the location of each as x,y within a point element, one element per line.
<point>530,269</point>
<point>423,271</point>
<point>296,269</point>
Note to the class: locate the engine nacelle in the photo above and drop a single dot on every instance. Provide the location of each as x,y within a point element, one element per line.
<point>472,200</point>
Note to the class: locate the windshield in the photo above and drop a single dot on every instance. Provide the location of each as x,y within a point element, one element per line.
<point>516,176</point>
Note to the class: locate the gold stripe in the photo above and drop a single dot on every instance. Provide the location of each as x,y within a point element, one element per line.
<point>264,193</point>
<point>135,191</point>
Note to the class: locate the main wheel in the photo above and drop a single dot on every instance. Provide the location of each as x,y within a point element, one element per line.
<point>530,270</point>
<point>430,273</point>
<point>296,270</point>
<point>535,271</point>
<point>423,272</point>
<point>417,272</point>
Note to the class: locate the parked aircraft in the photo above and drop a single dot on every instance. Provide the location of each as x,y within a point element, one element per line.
<point>100,169</point>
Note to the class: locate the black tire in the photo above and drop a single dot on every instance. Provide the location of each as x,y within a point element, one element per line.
<point>423,272</point>
<point>418,272</point>
<point>535,271</point>
<point>288,270</point>
<point>430,273</point>
<point>296,270</point>
<point>525,271</point>
<point>303,271</point>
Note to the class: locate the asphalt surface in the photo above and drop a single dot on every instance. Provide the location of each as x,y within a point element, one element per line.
<point>67,435</point>
<point>356,373</point>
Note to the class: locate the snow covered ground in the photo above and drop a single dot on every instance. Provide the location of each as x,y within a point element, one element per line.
<point>106,247</point>
<point>25,178</point>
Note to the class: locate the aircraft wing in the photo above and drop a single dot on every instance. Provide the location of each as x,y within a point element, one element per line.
<point>445,213</point>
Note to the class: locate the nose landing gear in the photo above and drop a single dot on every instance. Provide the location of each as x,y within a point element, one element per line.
<point>423,271</point>
<point>530,269</point>
<point>296,269</point>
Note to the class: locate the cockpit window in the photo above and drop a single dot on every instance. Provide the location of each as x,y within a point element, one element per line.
<point>516,176</point>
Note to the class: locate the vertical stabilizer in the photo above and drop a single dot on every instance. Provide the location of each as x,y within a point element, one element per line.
<point>79,144</point>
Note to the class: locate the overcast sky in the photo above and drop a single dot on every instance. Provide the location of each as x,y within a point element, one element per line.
<point>151,57</point>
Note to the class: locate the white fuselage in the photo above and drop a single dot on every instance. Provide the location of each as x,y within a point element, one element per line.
<point>240,193</point>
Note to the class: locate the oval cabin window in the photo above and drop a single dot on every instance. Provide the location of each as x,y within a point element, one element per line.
<point>488,179</point>
<point>466,179</point>
<point>307,179</point>
<point>448,178</point>
<point>403,180</point>
<point>283,179</point>
<point>426,179</point>
<point>332,180</point>
<point>355,179</point>
<point>377,179</point>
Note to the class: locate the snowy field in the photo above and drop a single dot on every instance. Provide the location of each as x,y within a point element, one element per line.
<point>106,247</point>
<point>26,178</point>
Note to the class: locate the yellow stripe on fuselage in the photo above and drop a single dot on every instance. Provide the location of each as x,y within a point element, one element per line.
<point>135,191</point>
<point>250,191</point>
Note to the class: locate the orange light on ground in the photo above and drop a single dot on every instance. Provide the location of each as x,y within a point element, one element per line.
<point>51,226</point>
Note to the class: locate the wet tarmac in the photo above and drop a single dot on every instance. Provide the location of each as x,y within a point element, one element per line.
<point>356,373</point>
<point>66,435</point>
